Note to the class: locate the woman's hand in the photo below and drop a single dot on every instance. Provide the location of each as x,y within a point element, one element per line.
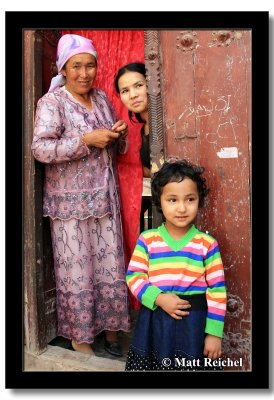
<point>121,128</point>
<point>213,347</point>
<point>146,172</point>
<point>173,305</point>
<point>99,138</point>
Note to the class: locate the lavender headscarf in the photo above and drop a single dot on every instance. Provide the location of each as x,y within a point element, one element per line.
<point>69,45</point>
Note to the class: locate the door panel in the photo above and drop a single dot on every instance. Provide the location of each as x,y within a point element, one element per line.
<point>49,44</point>
<point>34,337</point>
<point>39,285</point>
<point>204,79</point>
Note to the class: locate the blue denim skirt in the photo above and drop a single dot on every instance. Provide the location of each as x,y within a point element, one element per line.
<point>161,342</point>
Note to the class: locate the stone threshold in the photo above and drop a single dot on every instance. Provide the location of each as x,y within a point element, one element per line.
<point>59,359</point>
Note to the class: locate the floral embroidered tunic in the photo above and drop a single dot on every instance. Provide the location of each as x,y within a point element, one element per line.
<point>77,178</point>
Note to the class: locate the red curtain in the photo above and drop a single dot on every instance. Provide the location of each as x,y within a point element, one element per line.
<point>116,48</point>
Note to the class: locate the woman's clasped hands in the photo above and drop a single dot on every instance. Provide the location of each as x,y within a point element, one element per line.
<point>102,137</point>
<point>121,128</point>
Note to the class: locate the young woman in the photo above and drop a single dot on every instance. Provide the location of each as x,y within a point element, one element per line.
<point>176,272</point>
<point>130,83</point>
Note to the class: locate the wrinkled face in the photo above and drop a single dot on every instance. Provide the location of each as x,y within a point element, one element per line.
<point>133,91</point>
<point>179,203</point>
<point>80,71</point>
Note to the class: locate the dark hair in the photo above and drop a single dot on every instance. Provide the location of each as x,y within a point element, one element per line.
<point>133,67</point>
<point>177,171</point>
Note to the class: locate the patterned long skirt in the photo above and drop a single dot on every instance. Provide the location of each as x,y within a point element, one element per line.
<point>162,343</point>
<point>89,268</point>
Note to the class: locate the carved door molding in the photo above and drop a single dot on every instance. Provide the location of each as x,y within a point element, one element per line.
<point>153,69</point>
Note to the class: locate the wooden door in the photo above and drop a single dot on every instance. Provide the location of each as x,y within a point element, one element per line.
<point>199,89</point>
<point>49,45</point>
<point>39,286</point>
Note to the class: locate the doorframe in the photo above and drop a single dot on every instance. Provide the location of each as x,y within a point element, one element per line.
<point>155,110</point>
<point>34,304</point>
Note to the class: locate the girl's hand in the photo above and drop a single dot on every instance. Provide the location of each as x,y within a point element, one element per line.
<point>121,128</point>
<point>99,138</point>
<point>172,305</point>
<point>213,347</point>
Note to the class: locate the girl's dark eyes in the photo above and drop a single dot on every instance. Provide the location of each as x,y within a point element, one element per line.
<point>191,199</point>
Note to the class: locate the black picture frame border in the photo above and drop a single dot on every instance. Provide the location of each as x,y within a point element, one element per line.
<point>16,23</point>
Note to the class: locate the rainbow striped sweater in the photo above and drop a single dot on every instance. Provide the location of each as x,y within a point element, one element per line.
<point>191,265</point>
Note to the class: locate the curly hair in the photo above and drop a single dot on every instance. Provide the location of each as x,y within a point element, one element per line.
<point>176,171</point>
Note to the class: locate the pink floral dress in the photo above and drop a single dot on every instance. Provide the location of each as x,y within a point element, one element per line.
<point>82,200</point>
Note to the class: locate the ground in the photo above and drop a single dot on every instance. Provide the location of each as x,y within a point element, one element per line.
<point>60,356</point>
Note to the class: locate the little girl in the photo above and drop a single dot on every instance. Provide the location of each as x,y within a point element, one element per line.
<point>176,272</point>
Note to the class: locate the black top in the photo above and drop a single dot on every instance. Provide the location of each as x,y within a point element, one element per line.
<point>145,150</point>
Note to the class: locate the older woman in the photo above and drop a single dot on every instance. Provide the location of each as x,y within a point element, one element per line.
<point>77,136</point>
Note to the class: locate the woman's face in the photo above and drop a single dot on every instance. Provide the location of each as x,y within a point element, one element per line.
<point>80,71</point>
<point>133,91</point>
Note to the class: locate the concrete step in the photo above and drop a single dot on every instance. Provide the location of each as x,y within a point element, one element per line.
<point>56,358</point>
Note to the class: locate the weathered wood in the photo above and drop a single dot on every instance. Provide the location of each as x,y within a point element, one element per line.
<point>40,293</point>
<point>203,79</point>
<point>33,263</point>
<point>155,111</point>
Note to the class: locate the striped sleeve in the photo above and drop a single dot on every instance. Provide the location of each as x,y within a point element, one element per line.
<point>137,276</point>
<point>216,291</point>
